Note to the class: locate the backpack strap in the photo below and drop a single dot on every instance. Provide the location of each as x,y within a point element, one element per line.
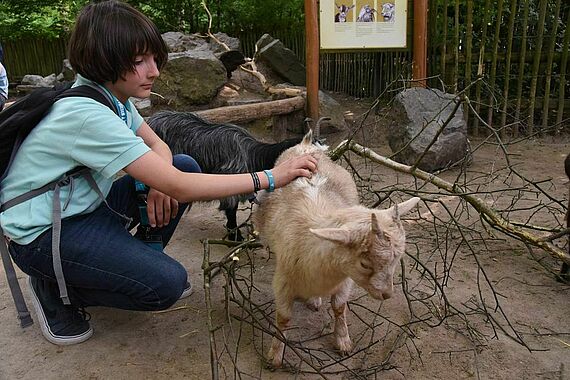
<point>89,91</point>
<point>23,312</point>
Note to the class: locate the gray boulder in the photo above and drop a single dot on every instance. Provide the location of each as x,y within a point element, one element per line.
<point>416,117</point>
<point>189,78</point>
<point>39,81</point>
<point>281,60</point>
<point>179,42</point>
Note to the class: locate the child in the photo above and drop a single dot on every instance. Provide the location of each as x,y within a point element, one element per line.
<point>117,48</point>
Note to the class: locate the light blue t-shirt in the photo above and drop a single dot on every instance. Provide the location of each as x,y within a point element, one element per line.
<point>76,132</point>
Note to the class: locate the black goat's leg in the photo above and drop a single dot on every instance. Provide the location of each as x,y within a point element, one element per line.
<point>565,269</point>
<point>233,231</point>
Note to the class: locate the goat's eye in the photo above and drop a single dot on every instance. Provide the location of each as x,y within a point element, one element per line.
<point>365,264</point>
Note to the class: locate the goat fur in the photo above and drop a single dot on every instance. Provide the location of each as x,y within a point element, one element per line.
<point>219,149</point>
<point>324,240</point>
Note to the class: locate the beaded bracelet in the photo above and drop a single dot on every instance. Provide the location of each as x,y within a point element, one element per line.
<point>270,179</point>
<point>256,182</point>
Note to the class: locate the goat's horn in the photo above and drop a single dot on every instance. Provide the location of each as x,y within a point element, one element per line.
<point>308,121</point>
<point>318,126</point>
<point>374,224</point>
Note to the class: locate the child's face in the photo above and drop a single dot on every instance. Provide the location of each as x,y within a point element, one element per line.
<point>137,83</point>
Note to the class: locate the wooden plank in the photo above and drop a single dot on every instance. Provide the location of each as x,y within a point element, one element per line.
<point>520,81</point>
<point>480,68</point>
<point>444,43</point>
<point>493,74</point>
<point>550,50</point>
<point>562,84</point>
<point>456,48</point>
<point>468,52</point>
<point>536,64</point>
<point>511,28</point>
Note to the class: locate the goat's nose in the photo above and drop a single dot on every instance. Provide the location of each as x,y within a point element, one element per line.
<point>387,294</point>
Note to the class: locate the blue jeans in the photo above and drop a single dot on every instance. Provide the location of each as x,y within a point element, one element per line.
<point>103,264</point>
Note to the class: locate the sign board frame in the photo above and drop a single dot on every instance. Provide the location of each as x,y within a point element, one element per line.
<point>363,24</point>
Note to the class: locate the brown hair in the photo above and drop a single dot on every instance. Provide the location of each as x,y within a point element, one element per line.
<point>108,36</point>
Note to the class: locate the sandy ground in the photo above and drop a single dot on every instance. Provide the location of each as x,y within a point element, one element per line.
<point>175,344</point>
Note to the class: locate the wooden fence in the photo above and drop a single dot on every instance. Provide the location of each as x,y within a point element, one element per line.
<point>33,56</point>
<point>511,63</point>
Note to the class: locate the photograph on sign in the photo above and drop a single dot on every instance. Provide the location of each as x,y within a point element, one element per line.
<point>363,24</point>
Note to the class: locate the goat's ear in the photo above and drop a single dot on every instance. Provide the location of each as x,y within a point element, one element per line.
<point>336,235</point>
<point>308,138</point>
<point>349,8</point>
<point>403,207</point>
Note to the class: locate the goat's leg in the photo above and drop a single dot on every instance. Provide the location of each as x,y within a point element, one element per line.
<point>231,216</point>
<point>284,310</point>
<point>314,303</point>
<point>338,302</point>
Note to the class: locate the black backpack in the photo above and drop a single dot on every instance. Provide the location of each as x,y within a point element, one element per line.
<point>16,122</point>
<point>20,118</point>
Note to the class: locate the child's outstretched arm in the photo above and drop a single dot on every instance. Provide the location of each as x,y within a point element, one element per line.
<point>151,169</point>
<point>161,208</point>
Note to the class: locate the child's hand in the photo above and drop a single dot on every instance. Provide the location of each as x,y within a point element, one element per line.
<point>160,208</point>
<point>287,171</point>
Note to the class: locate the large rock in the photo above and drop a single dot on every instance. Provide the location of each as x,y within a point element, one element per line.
<point>417,115</point>
<point>189,78</point>
<point>39,81</point>
<point>179,42</point>
<point>281,60</point>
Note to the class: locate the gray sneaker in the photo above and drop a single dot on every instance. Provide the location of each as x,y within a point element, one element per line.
<point>61,324</point>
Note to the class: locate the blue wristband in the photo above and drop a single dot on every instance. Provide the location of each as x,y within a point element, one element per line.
<point>140,187</point>
<point>270,179</point>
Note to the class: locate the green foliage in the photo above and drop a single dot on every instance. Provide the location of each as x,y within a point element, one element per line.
<point>54,18</point>
<point>229,16</point>
<point>31,18</point>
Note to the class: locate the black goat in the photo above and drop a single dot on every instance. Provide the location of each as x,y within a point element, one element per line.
<point>218,149</point>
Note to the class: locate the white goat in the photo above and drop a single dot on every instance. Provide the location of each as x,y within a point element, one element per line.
<point>324,240</point>
<point>366,14</point>
<point>388,11</point>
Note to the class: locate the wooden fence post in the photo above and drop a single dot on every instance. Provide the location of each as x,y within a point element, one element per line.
<point>419,73</point>
<point>312,58</point>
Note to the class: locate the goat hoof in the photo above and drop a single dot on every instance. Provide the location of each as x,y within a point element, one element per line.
<point>344,346</point>
<point>274,361</point>
<point>314,303</point>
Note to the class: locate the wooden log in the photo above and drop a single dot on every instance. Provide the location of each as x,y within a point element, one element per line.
<point>248,112</point>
